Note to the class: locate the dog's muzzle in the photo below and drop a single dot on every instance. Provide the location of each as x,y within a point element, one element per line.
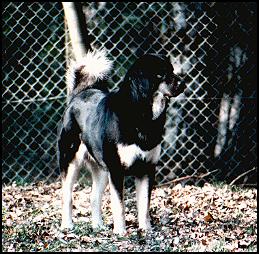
<point>177,85</point>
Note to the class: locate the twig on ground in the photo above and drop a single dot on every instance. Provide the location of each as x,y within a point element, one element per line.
<point>245,173</point>
<point>187,177</point>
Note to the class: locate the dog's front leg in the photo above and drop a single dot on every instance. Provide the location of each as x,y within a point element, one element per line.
<point>116,182</point>
<point>143,193</point>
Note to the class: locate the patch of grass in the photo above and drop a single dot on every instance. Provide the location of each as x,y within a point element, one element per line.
<point>250,230</point>
<point>219,184</point>
<point>21,238</point>
<point>83,228</point>
<point>235,188</point>
<point>219,246</point>
<point>20,181</point>
<point>232,188</point>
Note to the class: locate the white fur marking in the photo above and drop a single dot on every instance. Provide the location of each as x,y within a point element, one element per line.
<point>164,89</point>
<point>158,105</point>
<point>67,187</point>
<point>100,180</point>
<point>159,100</point>
<point>81,153</point>
<point>95,65</point>
<point>143,203</point>
<point>129,153</point>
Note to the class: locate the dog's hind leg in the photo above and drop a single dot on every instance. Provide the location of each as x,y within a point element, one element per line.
<point>99,182</point>
<point>69,163</point>
<point>67,188</point>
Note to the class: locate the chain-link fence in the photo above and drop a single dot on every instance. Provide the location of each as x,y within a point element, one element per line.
<point>211,129</point>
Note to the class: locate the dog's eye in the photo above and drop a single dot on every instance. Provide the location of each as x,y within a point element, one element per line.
<point>159,76</point>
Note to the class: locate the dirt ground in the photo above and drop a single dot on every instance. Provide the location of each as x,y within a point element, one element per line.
<point>208,218</point>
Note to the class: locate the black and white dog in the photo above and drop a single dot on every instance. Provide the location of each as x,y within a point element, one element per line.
<point>115,133</point>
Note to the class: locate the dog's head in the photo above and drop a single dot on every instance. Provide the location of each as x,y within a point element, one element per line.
<point>152,74</point>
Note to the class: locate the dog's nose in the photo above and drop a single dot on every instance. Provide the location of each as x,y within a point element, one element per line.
<point>181,86</point>
<point>181,83</point>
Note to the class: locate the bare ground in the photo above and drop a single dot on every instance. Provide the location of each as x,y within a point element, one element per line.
<point>211,218</point>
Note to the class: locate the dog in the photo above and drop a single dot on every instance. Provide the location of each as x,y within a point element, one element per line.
<point>114,133</point>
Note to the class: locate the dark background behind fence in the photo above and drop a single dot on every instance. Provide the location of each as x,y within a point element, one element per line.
<point>211,128</point>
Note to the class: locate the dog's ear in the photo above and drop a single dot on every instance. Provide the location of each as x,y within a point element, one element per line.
<point>137,82</point>
<point>139,88</point>
<point>162,57</point>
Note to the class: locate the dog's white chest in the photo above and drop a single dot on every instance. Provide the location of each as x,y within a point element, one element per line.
<point>130,153</point>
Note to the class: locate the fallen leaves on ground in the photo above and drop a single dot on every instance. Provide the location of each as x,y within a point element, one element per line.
<point>190,218</point>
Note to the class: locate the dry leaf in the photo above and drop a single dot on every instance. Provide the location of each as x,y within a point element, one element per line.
<point>186,207</point>
<point>38,215</point>
<point>208,217</point>
<point>243,243</point>
<point>204,242</point>
<point>86,239</point>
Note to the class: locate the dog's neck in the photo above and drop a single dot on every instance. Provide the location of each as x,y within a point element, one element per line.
<point>133,106</point>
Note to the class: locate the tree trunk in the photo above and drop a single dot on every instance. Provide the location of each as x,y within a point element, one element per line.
<point>77,28</point>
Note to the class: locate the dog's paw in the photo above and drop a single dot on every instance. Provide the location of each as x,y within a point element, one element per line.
<point>120,231</point>
<point>119,227</point>
<point>66,226</point>
<point>145,226</point>
<point>98,225</point>
<point>145,231</point>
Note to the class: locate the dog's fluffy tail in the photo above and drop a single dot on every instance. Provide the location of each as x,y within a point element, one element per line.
<point>85,72</point>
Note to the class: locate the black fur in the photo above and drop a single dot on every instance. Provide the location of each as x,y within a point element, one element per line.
<point>102,119</point>
<point>105,119</point>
